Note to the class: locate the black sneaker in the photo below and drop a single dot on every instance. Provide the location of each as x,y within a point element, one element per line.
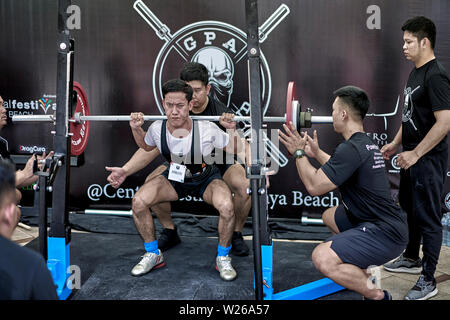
<point>422,290</point>
<point>168,239</point>
<point>387,296</point>
<point>238,245</point>
<point>405,265</point>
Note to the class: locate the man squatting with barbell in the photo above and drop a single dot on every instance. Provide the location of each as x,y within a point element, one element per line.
<point>196,75</point>
<point>369,228</point>
<point>183,142</point>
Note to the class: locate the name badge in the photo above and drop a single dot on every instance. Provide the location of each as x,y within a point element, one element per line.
<point>177,172</point>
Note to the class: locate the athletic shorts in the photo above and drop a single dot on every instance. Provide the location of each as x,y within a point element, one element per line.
<point>363,244</point>
<point>193,187</point>
<point>222,167</point>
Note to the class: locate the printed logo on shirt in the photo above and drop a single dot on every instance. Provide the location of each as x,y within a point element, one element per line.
<point>378,160</point>
<point>408,106</point>
<point>396,168</point>
<point>447,201</point>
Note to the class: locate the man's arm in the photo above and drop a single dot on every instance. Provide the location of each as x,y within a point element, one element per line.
<point>138,161</point>
<point>437,132</point>
<point>315,180</point>
<point>236,144</point>
<point>136,122</point>
<point>389,149</point>
<point>313,150</point>
<point>26,177</point>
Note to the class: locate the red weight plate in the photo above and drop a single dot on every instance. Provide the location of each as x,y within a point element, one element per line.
<point>80,131</point>
<point>291,96</point>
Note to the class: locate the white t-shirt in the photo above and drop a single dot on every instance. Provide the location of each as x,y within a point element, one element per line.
<point>211,137</point>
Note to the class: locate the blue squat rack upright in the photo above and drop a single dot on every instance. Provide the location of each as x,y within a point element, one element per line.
<point>262,242</point>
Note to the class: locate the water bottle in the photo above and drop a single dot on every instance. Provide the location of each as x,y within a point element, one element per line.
<point>447,229</point>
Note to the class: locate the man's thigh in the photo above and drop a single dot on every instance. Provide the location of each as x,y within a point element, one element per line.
<point>235,177</point>
<point>364,246</point>
<point>216,191</point>
<point>157,190</point>
<point>158,171</point>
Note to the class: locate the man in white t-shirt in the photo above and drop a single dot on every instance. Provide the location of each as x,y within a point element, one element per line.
<point>187,145</point>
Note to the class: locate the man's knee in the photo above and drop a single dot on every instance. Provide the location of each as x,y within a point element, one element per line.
<point>138,204</point>
<point>225,207</point>
<point>323,258</point>
<point>237,181</point>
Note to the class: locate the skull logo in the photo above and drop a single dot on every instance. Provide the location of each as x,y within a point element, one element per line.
<point>221,70</point>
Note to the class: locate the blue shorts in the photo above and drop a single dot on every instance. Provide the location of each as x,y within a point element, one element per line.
<point>193,187</point>
<point>362,244</point>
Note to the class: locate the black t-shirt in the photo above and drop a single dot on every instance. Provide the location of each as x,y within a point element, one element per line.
<point>4,151</point>
<point>214,108</point>
<point>427,90</point>
<point>23,274</point>
<point>358,169</point>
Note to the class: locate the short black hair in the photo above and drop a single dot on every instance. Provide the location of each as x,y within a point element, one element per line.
<point>356,98</point>
<point>7,179</point>
<point>177,85</point>
<point>192,71</point>
<point>421,27</point>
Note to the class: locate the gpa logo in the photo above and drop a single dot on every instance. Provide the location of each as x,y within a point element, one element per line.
<point>447,201</point>
<point>222,48</point>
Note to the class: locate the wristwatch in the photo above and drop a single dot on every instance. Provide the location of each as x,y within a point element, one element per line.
<point>299,153</point>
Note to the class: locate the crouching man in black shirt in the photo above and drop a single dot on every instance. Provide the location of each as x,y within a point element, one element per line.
<point>369,228</point>
<point>23,272</point>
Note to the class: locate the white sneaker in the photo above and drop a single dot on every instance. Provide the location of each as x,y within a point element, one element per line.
<point>148,262</point>
<point>223,265</point>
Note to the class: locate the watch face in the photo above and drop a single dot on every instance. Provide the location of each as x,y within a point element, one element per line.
<point>299,153</point>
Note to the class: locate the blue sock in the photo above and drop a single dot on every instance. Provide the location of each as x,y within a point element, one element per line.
<point>221,251</point>
<point>152,246</point>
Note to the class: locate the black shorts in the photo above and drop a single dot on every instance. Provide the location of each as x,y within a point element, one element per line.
<point>363,244</point>
<point>222,167</point>
<point>193,187</point>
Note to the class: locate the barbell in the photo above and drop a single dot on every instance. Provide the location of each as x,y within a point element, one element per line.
<point>80,121</point>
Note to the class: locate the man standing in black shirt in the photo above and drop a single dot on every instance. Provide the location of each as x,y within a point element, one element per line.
<point>423,161</point>
<point>369,228</point>
<point>23,272</point>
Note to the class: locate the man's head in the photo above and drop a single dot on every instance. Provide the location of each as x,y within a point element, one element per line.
<point>8,213</point>
<point>177,101</point>
<point>419,35</point>
<point>196,75</point>
<point>3,117</point>
<point>351,104</point>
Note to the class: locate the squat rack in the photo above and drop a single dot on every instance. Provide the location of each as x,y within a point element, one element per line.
<point>57,247</point>
<point>262,242</point>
